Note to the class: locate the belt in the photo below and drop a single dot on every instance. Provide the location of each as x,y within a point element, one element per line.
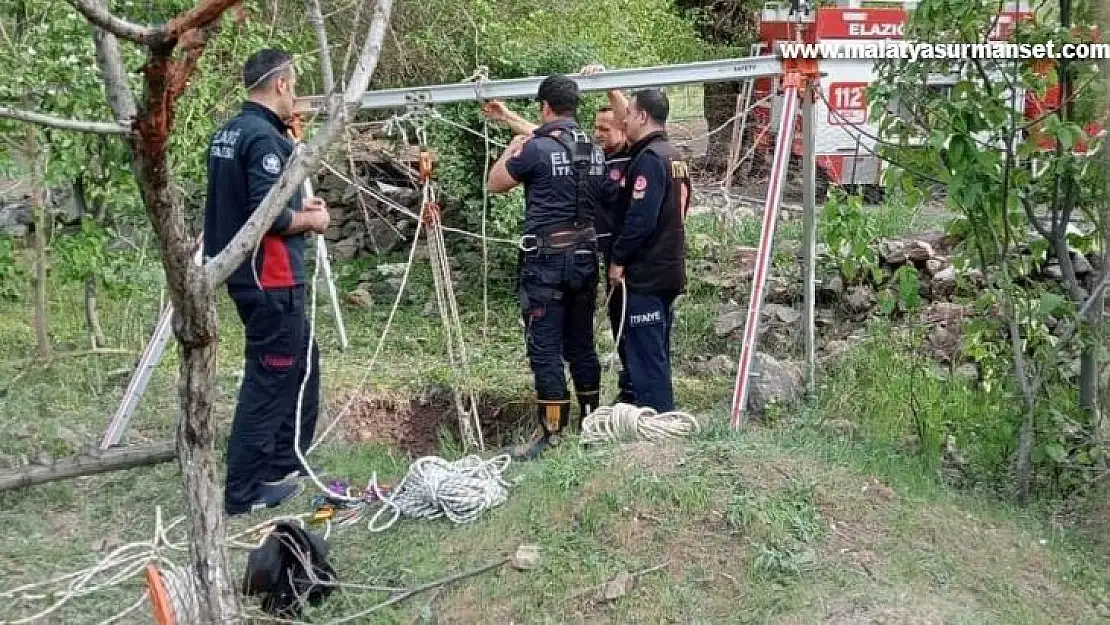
<point>557,240</point>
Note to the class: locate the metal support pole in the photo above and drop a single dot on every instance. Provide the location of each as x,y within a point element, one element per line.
<point>744,68</point>
<point>152,355</point>
<point>809,225</point>
<point>783,148</point>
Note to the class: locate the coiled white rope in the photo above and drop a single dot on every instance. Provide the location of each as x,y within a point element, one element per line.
<point>181,586</point>
<point>625,422</point>
<point>435,488</point>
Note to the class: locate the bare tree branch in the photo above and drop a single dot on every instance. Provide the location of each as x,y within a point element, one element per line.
<point>103,128</point>
<point>203,15</point>
<point>306,157</point>
<point>110,61</point>
<point>200,16</point>
<point>95,12</point>
<point>316,16</point>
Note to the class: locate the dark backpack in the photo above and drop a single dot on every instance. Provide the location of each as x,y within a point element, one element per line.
<point>276,571</point>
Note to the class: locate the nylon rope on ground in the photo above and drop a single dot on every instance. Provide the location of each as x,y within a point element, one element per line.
<point>434,488</point>
<point>626,422</point>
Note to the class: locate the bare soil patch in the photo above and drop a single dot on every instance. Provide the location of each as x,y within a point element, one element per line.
<point>411,423</point>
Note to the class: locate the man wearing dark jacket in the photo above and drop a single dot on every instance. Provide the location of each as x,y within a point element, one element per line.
<point>245,159</point>
<point>648,255</point>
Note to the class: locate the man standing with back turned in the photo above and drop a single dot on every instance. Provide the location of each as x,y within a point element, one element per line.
<point>562,172</point>
<point>245,159</point>
<point>609,135</point>
<point>649,255</point>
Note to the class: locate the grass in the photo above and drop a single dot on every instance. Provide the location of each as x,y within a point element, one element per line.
<point>777,524</point>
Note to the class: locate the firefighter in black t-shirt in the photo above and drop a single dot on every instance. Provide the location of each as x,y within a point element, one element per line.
<point>609,135</point>
<point>562,172</point>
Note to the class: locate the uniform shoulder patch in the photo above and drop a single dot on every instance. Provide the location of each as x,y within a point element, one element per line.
<point>271,163</point>
<point>640,184</point>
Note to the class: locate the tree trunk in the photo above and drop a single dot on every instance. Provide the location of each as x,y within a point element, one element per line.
<point>196,329</point>
<point>1023,463</point>
<point>718,106</point>
<point>42,222</point>
<point>92,316</point>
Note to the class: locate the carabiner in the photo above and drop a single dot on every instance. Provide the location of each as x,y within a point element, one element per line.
<point>425,166</point>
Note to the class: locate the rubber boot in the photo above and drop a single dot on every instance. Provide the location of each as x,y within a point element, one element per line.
<point>587,403</point>
<point>552,416</point>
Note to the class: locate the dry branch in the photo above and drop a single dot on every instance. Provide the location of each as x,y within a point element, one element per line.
<point>316,17</point>
<point>40,119</point>
<point>112,460</point>
<point>96,13</point>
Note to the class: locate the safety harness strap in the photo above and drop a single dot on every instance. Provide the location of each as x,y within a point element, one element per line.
<point>581,150</point>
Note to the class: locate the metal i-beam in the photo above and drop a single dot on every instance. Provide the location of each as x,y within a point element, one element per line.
<point>724,70</point>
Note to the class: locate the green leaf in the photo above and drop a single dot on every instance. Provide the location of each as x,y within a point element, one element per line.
<point>1048,304</point>
<point>887,302</point>
<point>1056,452</point>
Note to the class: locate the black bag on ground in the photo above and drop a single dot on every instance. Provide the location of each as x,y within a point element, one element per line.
<point>277,571</point>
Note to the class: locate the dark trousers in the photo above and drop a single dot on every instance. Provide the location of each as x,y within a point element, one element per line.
<point>616,311</point>
<point>647,339</point>
<point>558,297</point>
<point>260,447</point>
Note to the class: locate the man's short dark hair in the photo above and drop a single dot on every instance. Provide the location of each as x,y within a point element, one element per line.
<point>261,68</point>
<point>655,103</point>
<point>560,93</point>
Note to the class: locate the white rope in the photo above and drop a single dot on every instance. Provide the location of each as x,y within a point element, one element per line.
<point>615,356</point>
<point>135,606</point>
<point>181,586</point>
<point>625,422</point>
<point>409,213</point>
<point>381,340</point>
<point>435,488</point>
<point>470,426</point>
<point>725,124</point>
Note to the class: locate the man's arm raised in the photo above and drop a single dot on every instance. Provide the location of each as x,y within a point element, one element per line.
<point>617,100</point>
<point>495,110</point>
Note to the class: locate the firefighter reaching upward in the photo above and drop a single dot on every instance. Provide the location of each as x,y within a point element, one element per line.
<point>562,172</point>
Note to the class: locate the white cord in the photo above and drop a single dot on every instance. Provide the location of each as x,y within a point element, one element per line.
<point>435,488</point>
<point>625,422</point>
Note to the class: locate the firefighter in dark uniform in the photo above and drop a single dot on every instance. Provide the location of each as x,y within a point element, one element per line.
<point>649,253</point>
<point>609,134</point>
<point>562,172</point>
<point>245,159</point>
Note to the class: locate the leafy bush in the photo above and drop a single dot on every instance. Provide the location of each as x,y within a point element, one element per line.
<point>11,273</point>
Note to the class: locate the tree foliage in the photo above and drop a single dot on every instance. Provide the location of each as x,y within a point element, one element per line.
<point>1015,199</point>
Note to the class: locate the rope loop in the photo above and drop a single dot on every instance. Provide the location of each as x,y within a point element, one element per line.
<point>436,488</point>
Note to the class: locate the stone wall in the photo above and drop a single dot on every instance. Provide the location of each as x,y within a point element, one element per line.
<point>362,223</point>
